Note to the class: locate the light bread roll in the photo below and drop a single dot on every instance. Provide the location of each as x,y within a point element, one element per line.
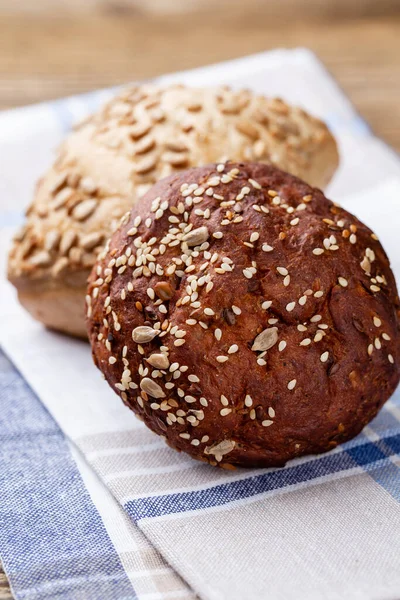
<point>108,162</point>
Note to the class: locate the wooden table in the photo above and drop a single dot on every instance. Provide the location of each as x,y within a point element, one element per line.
<point>45,56</point>
<point>48,57</point>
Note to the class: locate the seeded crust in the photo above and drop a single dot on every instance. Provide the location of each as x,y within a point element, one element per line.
<point>144,134</point>
<point>289,349</point>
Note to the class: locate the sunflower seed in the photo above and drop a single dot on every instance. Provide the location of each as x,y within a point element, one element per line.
<point>160,361</point>
<point>152,388</point>
<point>265,340</point>
<point>221,448</point>
<point>196,237</point>
<point>143,334</point>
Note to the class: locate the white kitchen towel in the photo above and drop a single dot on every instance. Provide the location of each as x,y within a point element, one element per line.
<point>322,527</point>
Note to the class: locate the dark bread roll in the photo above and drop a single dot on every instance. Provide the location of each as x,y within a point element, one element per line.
<point>245,317</point>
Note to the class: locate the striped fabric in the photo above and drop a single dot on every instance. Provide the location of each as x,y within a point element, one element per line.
<point>58,544</point>
<point>165,526</point>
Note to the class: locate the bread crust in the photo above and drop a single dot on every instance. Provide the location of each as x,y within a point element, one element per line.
<point>143,134</point>
<point>245,317</point>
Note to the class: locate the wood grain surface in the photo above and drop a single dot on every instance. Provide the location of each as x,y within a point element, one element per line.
<point>5,593</point>
<point>49,56</point>
<point>97,43</point>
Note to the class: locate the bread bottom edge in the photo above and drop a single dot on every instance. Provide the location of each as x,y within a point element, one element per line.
<point>60,310</point>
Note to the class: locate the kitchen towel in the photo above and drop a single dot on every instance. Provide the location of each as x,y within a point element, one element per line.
<point>322,527</point>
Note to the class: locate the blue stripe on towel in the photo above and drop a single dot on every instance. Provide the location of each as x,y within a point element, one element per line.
<point>367,456</point>
<point>53,543</point>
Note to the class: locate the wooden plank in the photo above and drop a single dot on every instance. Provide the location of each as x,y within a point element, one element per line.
<point>49,57</point>
<point>5,593</point>
<point>278,10</point>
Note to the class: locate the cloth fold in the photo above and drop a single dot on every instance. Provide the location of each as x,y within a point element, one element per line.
<point>323,527</point>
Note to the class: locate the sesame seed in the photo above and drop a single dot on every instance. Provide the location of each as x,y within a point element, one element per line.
<point>266,423</point>
<point>295,221</point>
<point>352,239</point>
<point>225,411</point>
<point>282,270</point>
<point>319,294</point>
<point>261,362</point>
<point>305,342</point>
<point>370,349</point>
<point>377,343</point>
<point>324,357</point>
<point>302,300</point>
<point>226,268</point>
<point>232,349</point>
<point>209,312</point>
<point>391,359</point>
<point>179,342</point>
<point>343,282</point>
<point>267,248</point>
<point>315,318</point>
<point>282,345</point>
<point>271,412</point>
<point>377,322</point>
<point>290,306</point>
<point>218,334</point>
<point>255,184</point>
<point>248,401</point>
<point>254,236</point>
<point>318,251</point>
<point>265,305</point>
<point>247,273</point>
<point>218,235</point>
<point>292,384</point>
<point>286,280</point>
<point>386,336</point>
<point>236,310</point>
<point>112,360</point>
<point>374,288</point>
<point>224,400</point>
<point>301,327</point>
<point>222,359</point>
